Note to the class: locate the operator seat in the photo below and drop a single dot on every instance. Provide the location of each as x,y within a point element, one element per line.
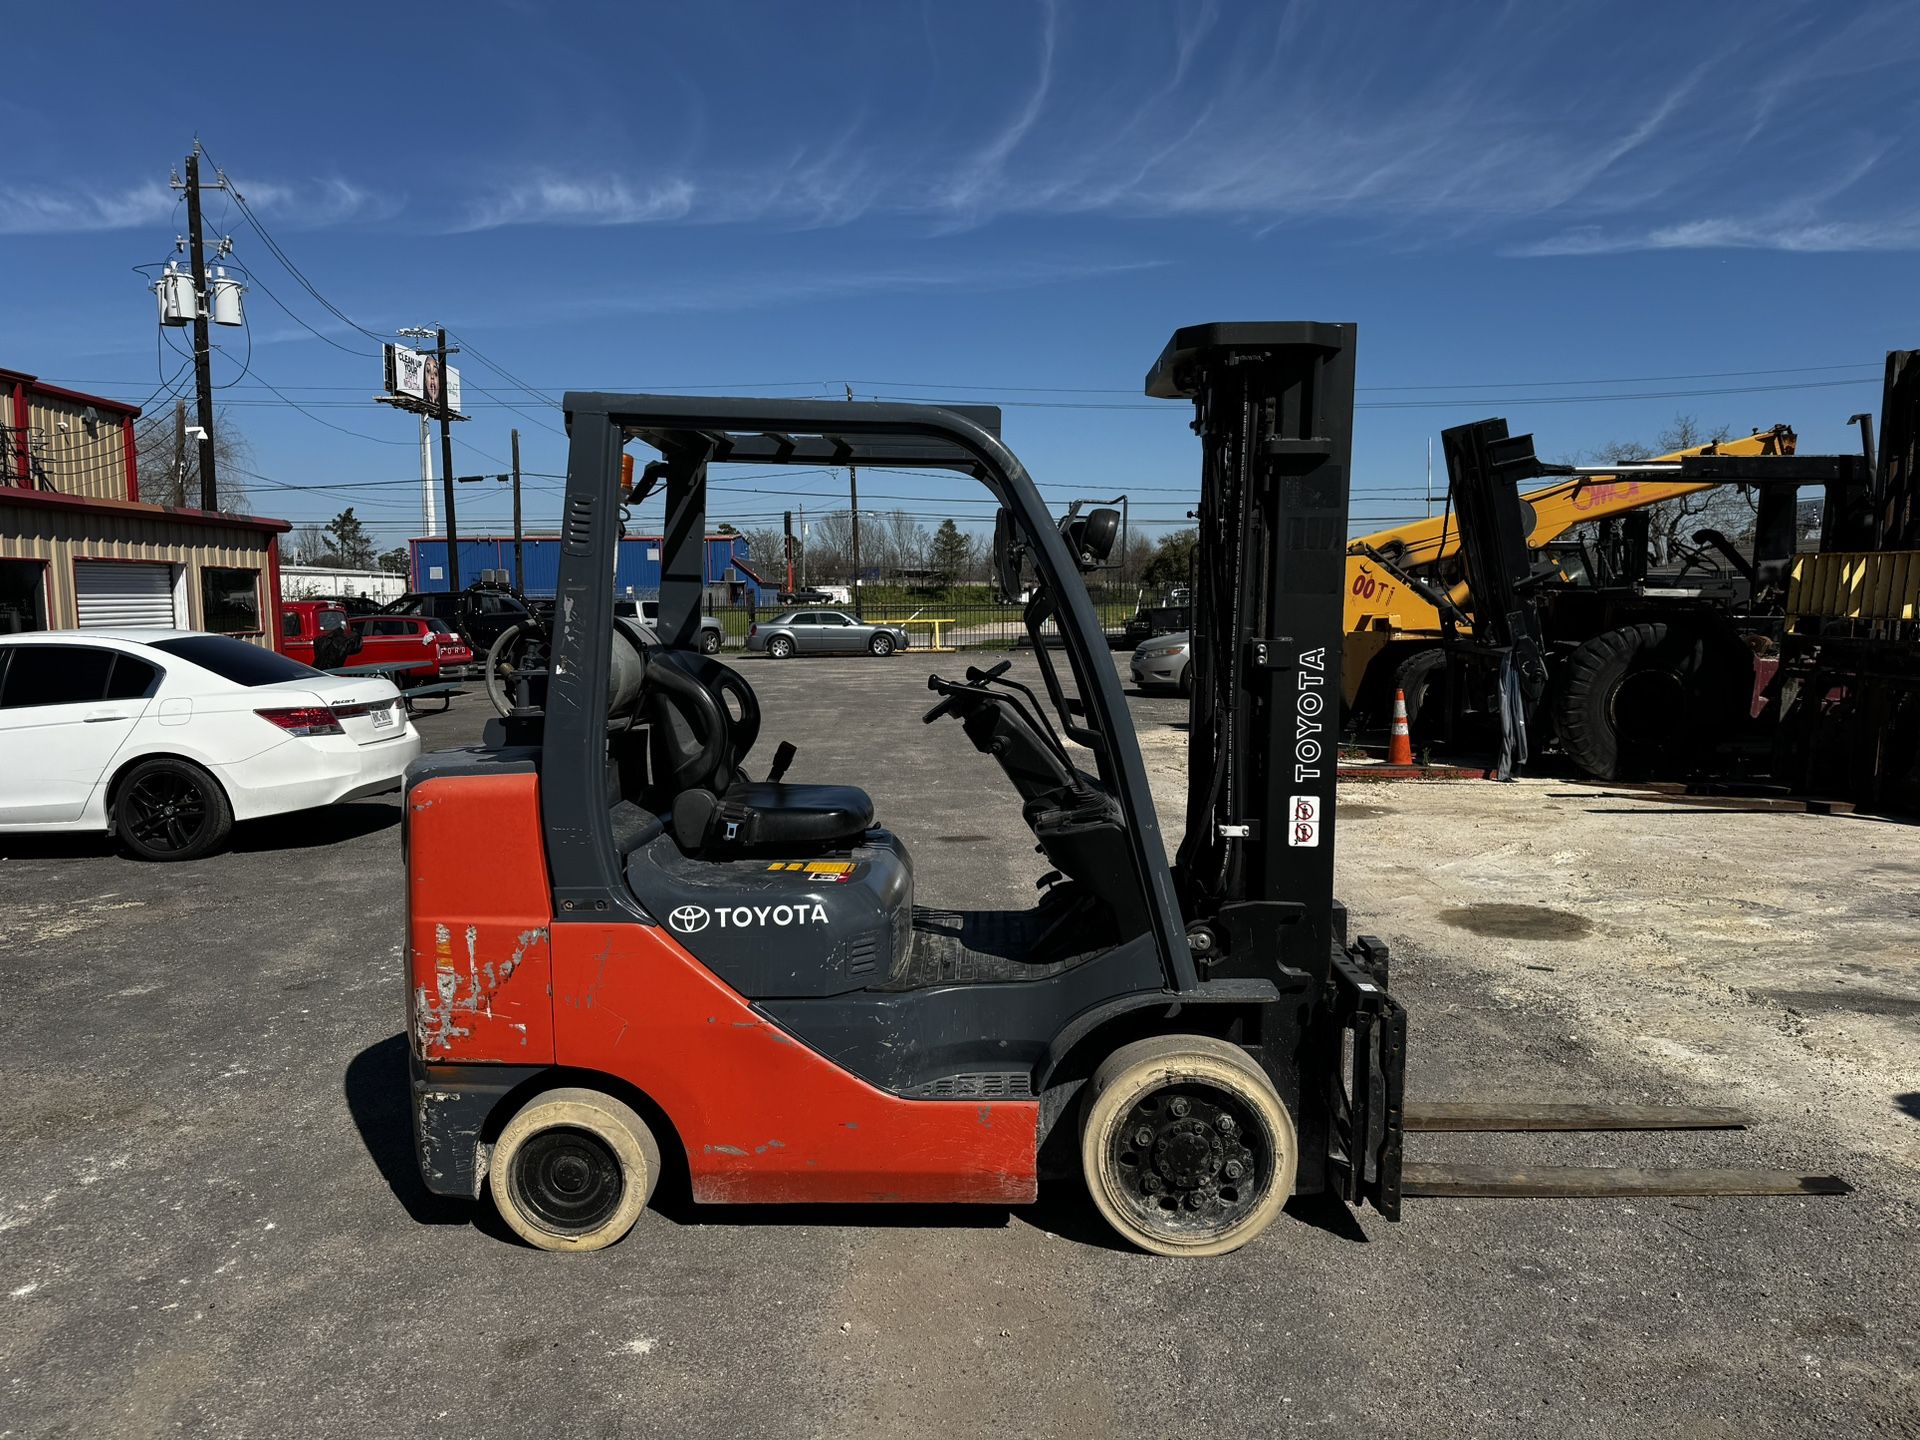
<point>703,719</point>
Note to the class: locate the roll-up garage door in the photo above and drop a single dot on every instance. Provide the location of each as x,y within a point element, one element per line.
<point>124,594</point>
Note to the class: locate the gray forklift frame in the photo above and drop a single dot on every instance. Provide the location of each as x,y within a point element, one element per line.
<point>693,433</point>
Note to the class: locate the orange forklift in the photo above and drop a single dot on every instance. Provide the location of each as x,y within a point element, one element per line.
<point>665,954</point>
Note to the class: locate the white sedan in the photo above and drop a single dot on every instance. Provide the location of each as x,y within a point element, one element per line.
<point>166,737</point>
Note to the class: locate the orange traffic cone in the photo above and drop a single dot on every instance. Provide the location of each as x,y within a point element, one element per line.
<point>1400,740</point>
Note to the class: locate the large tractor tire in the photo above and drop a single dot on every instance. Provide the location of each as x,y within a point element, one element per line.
<point>1649,699</point>
<point>1422,678</point>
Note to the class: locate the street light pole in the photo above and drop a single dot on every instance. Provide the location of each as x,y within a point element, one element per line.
<point>446,467</point>
<point>853,500</point>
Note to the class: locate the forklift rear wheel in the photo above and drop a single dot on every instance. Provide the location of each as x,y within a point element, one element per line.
<point>573,1170</point>
<point>1186,1147</point>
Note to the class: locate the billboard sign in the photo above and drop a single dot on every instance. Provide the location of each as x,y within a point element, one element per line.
<point>414,376</point>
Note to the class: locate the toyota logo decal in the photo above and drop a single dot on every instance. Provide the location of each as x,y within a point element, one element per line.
<point>689,919</point>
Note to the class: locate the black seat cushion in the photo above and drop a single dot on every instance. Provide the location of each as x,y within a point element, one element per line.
<point>765,815</point>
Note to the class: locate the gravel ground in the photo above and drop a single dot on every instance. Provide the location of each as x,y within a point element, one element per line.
<point>210,1221</point>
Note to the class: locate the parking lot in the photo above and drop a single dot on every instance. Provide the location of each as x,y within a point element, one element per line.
<point>210,1222</point>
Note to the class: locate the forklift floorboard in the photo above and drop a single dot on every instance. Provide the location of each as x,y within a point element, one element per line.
<point>972,947</point>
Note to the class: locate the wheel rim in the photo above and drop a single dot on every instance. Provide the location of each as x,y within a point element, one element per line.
<point>780,649</point>
<point>568,1180</point>
<point>1191,1159</point>
<point>166,812</point>
<point>882,645</point>
<point>1648,705</point>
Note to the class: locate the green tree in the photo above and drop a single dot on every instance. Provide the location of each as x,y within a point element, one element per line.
<point>950,554</point>
<point>394,561</point>
<point>348,542</point>
<point>1172,562</point>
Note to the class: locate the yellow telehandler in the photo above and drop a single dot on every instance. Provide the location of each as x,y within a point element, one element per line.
<point>1387,622</point>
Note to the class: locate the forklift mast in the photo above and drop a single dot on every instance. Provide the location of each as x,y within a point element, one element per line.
<point>1273,407</point>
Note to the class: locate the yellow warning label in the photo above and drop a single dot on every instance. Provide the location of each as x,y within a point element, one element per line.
<point>813,867</point>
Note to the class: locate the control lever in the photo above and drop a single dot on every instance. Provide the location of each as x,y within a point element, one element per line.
<point>952,690</point>
<point>782,757</point>
<point>981,677</point>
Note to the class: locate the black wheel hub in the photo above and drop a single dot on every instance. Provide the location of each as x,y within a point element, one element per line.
<point>1649,705</point>
<point>1191,1157</point>
<point>567,1179</point>
<point>166,812</point>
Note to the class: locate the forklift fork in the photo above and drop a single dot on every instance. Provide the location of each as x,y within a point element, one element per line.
<point>1368,1101</point>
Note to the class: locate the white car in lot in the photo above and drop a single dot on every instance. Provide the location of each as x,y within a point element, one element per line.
<point>165,737</point>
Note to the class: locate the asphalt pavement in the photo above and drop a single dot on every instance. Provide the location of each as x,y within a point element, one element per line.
<point>210,1221</point>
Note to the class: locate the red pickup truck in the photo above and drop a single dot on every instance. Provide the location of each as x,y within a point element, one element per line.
<point>426,646</point>
<point>316,633</point>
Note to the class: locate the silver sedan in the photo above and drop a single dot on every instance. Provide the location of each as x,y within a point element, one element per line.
<point>1165,660</point>
<point>823,632</point>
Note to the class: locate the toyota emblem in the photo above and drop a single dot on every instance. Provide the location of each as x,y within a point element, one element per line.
<point>689,919</point>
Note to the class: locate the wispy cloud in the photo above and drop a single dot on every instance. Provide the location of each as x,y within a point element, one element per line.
<point>80,208</point>
<point>552,200</point>
<point>1533,130</point>
<point>31,211</point>
<point>1731,233</point>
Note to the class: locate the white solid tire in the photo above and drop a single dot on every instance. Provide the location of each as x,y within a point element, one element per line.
<point>611,1121</point>
<point>1145,1065</point>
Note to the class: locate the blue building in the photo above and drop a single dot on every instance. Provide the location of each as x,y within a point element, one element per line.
<point>729,581</point>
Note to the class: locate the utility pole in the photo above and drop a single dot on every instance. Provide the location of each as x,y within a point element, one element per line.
<point>177,493</point>
<point>202,341</point>
<point>853,494</point>
<point>519,552</point>
<point>789,551</point>
<point>446,468</point>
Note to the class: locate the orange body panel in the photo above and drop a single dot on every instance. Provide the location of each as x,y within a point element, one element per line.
<point>762,1117</point>
<point>478,904</point>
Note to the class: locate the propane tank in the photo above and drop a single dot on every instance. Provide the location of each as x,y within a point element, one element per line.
<point>624,676</point>
<point>224,294</point>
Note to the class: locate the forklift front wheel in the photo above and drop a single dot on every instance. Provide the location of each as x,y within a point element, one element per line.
<point>573,1170</point>
<point>1186,1147</point>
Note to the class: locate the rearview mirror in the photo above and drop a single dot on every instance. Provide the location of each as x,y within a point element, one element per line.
<point>1091,536</point>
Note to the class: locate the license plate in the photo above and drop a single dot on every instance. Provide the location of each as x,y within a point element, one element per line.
<point>382,718</point>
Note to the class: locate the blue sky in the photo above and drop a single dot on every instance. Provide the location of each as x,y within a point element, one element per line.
<point>1561,205</point>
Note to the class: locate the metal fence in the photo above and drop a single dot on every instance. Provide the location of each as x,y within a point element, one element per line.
<point>933,623</point>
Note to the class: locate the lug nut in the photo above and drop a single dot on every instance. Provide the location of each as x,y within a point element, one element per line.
<point>1180,1105</point>
<point>1224,1124</point>
<point>1193,1200</point>
<point>1143,1137</point>
<point>1234,1170</point>
<point>1151,1184</point>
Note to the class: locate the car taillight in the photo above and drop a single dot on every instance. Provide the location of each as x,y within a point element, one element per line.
<point>304,720</point>
<point>753,630</point>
